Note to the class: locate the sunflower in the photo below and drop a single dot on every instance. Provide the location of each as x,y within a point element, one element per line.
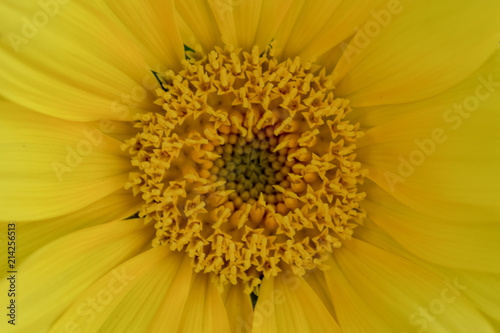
<point>250,166</point>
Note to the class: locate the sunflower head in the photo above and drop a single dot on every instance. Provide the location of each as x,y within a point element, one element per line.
<point>244,166</point>
<point>248,165</point>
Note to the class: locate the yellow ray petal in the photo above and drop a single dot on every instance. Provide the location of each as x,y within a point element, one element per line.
<point>330,58</point>
<point>187,35</point>
<point>447,144</point>
<point>198,16</point>
<point>142,304</point>
<point>119,130</point>
<point>152,26</point>
<point>343,23</point>
<point>53,167</point>
<point>74,63</point>
<point>484,290</point>
<point>239,308</point>
<point>299,29</point>
<point>376,291</point>
<point>237,21</point>
<point>484,83</point>
<point>168,316</point>
<point>287,303</point>
<point>273,14</point>
<point>480,288</point>
<point>353,313</point>
<point>56,274</point>
<point>32,236</point>
<point>372,234</point>
<point>496,325</point>
<point>204,310</point>
<point>316,280</point>
<point>284,32</point>
<point>128,303</point>
<point>426,48</point>
<point>248,23</point>
<point>472,246</point>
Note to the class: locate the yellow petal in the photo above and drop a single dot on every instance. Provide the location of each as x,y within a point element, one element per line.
<point>316,280</point>
<point>330,58</point>
<point>198,16</point>
<point>51,279</point>
<point>496,325</point>
<point>129,296</point>
<point>248,23</point>
<point>71,61</point>
<point>484,290</point>
<point>273,13</point>
<point>303,22</point>
<point>116,206</point>
<point>168,316</point>
<point>472,246</point>
<point>332,30</point>
<point>204,310</point>
<point>53,167</point>
<point>239,308</point>
<point>425,48</point>
<point>376,291</point>
<point>353,313</point>
<point>381,115</point>
<point>151,25</point>
<point>287,303</point>
<point>480,288</point>
<point>372,234</point>
<point>439,156</point>
<point>119,130</point>
<point>237,21</point>
<point>284,32</point>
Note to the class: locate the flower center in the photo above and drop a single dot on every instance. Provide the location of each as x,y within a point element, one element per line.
<point>249,166</point>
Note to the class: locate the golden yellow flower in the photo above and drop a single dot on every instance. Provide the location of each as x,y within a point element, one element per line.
<point>250,166</point>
